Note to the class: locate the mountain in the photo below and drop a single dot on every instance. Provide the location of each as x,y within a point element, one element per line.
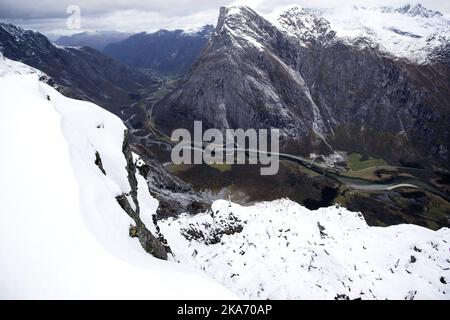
<point>322,89</point>
<point>234,84</point>
<point>166,52</point>
<point>82,73</point>
<point>96,39</point>
<point>77,216</point>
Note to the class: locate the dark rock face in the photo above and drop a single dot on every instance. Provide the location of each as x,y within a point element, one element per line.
<point>81,73</point>
<point>320,91</point>
<point>155,245</point>
<point>98,163</point>
<point>165,52</point>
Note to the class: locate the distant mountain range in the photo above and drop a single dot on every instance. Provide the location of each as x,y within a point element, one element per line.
<point>166,52</point>
<point>79,72</point>
<point>95,39</point>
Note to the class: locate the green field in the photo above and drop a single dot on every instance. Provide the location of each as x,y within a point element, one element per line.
<point>222,167</point>
<point>177,168</point>
<point>369,173</point>
<point>356,163</point>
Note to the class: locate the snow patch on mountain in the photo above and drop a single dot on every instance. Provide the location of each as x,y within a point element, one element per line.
<point>63,235</point>
<point>281,250</point>
<point>411,32</point>
<point>304,25</point>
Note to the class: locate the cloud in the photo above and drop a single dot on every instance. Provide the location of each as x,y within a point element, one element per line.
<point>134,16</point>
<point>27,9</point>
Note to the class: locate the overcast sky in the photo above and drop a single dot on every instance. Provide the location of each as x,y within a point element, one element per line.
<point>50,16</point>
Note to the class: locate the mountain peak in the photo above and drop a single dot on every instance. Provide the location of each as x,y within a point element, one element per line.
<point>12,30</point>
<point>304,24</point>
<point>418,10</point>
<point>236,13</point>
<point>413,10</point>
<point>241,27</point>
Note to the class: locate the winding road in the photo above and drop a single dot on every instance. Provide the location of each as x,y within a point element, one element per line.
<point>332,172</point>
<point>350,182</point>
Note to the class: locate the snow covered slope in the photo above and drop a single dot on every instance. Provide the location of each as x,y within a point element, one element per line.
<point>412,31</point>
<point>281,250</point>
<point>11,67</point>
<point>62,232</point>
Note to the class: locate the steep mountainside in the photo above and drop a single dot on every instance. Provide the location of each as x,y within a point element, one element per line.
<point>81,73</point>
<point>321,89</point>
<point>166,52</point>
<point>96,39</point>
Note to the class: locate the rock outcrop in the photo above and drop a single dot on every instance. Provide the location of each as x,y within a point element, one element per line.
<point>156,245</point>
